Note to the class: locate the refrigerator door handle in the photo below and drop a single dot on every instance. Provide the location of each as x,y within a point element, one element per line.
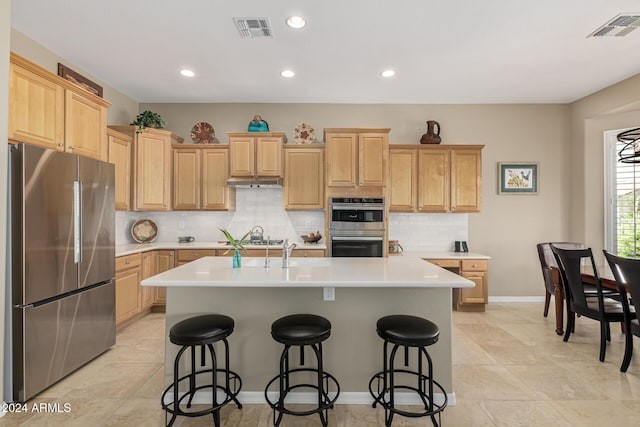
<point>77,222</point>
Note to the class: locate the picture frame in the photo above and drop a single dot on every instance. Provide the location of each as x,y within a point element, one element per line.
<point>518,177</point>
<point>80,80</point>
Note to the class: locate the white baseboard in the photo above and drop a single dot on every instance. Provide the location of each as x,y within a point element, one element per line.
<point>516,299</point>
<point>345,398</point>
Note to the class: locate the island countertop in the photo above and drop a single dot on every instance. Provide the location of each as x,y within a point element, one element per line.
<point>310,273</point>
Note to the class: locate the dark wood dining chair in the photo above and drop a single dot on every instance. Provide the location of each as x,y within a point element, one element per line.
<point>627,274</point>
<point>603,309</point>
<point>547,261</point>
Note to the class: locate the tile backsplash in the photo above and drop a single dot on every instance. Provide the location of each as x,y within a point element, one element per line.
<point>253,207</point>
<point>264,207</point>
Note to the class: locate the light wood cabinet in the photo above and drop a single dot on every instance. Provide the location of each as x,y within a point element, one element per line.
<point>165,261</point>
<point>187,255</point>
<point>128,276</point>
<point>120,155</point>
<point>435,178</point>
<point>152,167</point>
<point>476,270</point>
<point>200,178</point>
<point>357,157</point>
<point>147,293</point>
<point>307,253</point>
<point>255,154</point>
<point>49,111</point>
<point>303,186</point>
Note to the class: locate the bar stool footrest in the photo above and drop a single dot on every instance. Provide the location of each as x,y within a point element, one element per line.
<point>173,407</point>
<point>327,402</point>
<point>380,396</point>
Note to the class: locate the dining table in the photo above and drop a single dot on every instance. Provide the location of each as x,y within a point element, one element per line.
<point>606,280</point>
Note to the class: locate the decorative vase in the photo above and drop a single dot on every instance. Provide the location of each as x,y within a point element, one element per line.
<point>433,133</point>
<point>237,259</point>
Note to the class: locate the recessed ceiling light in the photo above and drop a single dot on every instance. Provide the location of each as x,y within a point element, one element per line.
<point>187,73</point>
<point>296,22</point>
<point>388,73</point>
<point>287,73</point>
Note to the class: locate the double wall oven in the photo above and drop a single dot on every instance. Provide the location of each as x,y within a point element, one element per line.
<point>356,227</point>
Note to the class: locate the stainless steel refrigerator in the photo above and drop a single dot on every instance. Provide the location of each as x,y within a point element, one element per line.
<point>62,264</point>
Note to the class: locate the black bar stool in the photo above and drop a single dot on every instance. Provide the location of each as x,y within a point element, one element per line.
<point>202,331</point>
<point>302,330</point>
<point>406,331</point>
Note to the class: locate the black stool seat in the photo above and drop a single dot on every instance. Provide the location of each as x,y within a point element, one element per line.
<point>407,330</point>
<point>201,330</point>
<point>301,329</point>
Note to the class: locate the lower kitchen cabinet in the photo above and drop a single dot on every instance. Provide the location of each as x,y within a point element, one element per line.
<point>147,293</point>
<point>308,253</point>
<point>128,276</point>
<point>166,260</point>
<point>476,270</point>
<point>187,255</point>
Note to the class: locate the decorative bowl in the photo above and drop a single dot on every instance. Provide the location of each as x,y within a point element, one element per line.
<point>314,239</point>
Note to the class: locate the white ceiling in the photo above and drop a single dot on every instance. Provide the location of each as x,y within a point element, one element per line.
<point>444,51</point>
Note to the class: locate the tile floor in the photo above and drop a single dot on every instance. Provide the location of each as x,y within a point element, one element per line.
<point>510,369</point>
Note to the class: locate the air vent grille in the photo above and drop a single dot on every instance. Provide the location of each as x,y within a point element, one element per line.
<point>619,26</point>
<point>251,28</point>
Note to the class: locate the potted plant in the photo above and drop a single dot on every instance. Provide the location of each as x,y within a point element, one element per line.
<point>148,119</point>
<point>237,245</point>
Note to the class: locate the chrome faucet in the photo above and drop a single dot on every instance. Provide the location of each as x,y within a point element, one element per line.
<point>286,252</point>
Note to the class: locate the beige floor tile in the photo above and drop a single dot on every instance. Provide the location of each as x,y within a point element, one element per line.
<point>511,413</point>
<point>490,382</point>
<point>81,412</point>
<point>468,413</point>
<point>585,413</point>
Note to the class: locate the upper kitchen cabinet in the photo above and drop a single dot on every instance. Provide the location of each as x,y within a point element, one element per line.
<point>303,186</point>
<point>357,157</point>
<point>200,177</point>
<point>152,167</point>
<point>49,111</point>
<point>120,155</point>
<point>255,154</point>
<point>435,178</point>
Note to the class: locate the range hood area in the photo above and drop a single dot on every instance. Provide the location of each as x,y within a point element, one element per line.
<point>251,182</point>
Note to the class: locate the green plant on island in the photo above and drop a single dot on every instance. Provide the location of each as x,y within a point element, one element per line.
<point>148,119</point>
<point>236,244</point>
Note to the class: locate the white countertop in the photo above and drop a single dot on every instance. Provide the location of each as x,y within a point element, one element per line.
<point>310,272</point>
<point>431,254</point>
<point>134,248</point>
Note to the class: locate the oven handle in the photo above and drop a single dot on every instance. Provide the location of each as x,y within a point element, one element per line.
<point>341,238</point>
<point>356,207</point>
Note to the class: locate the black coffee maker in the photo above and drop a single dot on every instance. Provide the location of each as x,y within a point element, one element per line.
<point>461,246</point>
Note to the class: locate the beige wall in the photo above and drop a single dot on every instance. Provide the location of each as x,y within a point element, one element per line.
<point>615,107</point>
<point>123,109</point>
<point>5,34</point>
<point>508,227</point>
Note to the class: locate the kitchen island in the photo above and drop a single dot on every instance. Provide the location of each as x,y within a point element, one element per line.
<point>365,289</point>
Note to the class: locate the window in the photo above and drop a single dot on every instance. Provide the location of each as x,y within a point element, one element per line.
<point>622,200</point>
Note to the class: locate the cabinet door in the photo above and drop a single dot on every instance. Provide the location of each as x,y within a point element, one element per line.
<point>269,156</point>
<point>165,261</point>
<point>304,178</point>
<point>152,172</point>
<point>342,159</point>
<point>477,294</point>
<point>127,282</point>
<point>466,180</point>
<point>36,109</point>
<point>186,178</point>
<point>403,180</point>
<point>242,156</point>
<point>147,293</point>
<point>433,177</point>
<point>216,195</point>
<point>373,154</point>
<point>120,155</point>
<point>84,126</point>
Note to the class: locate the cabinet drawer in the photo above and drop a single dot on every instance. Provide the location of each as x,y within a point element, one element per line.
<point>445,263</point>
<point>308,253</point>
<point>194,254</point>
<point>474,265</point>
<point>128,261</point>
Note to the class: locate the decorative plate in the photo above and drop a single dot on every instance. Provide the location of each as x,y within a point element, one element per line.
<point>144,231</point>
<point>202,133</point>
<point>304,133</point>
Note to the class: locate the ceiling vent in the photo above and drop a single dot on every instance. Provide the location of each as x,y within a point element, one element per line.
<point>251,28</point>
<point>619,26</point>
